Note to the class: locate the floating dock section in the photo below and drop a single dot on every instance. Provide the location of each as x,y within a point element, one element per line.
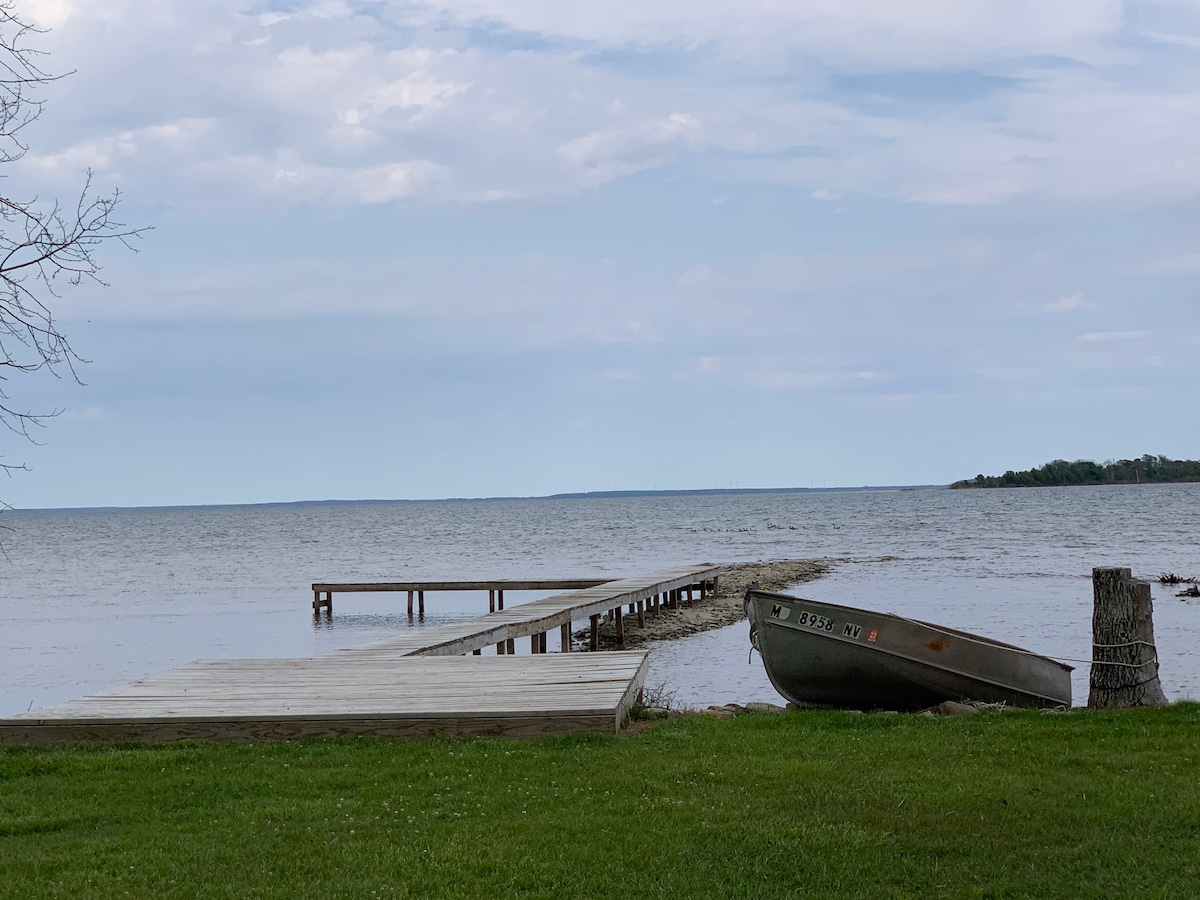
<point>334,695</point>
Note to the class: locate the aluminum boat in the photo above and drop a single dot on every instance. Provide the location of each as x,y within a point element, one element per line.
<point>822,654</point>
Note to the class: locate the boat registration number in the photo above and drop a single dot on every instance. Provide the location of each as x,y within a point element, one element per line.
<point>814,621</point>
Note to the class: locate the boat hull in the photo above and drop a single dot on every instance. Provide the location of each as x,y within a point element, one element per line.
<point>823,654</point>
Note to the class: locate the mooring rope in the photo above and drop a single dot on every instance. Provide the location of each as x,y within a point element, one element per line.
<point>1125,665</point>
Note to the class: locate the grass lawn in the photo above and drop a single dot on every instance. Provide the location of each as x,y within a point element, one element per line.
<point>816,803</point>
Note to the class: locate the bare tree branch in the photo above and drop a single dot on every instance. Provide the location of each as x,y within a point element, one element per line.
<point>43,246</point>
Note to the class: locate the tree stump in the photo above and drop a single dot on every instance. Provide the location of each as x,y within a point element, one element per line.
<point>1124,660</point>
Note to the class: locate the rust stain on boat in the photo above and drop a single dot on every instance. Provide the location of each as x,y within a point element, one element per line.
<point>937,646</point>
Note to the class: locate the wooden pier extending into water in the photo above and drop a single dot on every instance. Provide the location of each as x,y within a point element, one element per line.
<point>431,681</point>
<point>323,592</point>
<point>502,628</point>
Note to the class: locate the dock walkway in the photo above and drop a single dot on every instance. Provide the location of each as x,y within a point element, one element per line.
<point>533,620</point>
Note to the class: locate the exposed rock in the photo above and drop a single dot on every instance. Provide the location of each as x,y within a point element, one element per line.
<point>756,706</point>
<point>711,612</point>
<point>954,708</point>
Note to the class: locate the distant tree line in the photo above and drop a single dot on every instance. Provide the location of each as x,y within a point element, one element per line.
<point>1147,470</point>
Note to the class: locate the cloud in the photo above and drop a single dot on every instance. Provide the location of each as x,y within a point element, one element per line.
<point>927,33</point>
<point>813,380</point>
<point>1187,264</point>
<point>694,275</point>
<point>296,180</point>
<point>1104,337</point>
<point>177,139</point>
<point>633,331</point>
<point>620,375</point>
<point>489,101</point>
<point>46,13</point>
<point>89,414</point>
<point>1070,303</point>
<point>615,152</point>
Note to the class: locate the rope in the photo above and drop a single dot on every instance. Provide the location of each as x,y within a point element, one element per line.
<point>1124,665</point>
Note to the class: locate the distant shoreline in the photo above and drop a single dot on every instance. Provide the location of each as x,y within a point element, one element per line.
<point>1148,469</point>
<point>582,495</point>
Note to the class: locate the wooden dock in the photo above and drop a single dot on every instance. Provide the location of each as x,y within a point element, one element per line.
<point>339,694</point>
<point>433,680</point>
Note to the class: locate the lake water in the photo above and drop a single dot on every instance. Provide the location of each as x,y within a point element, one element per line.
<point>95,598</point>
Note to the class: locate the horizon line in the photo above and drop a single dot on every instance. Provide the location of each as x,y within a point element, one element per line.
<point>570,495</point>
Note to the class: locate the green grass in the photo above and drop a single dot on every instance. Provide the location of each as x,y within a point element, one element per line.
<point>816,803</point>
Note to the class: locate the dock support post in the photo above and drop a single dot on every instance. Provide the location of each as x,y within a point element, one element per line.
<point>619,625</point>
<point>564,637</point>
<point>326,602</point>
<point>534,644</point>
<point>542,642</point>
<point>595,632</point>
<point>477,652</point>
<point>511,644</point>
<point>500,599</point>
<point>500,648</point>
<point>641,615</point>
<point>421,603</point>
<point>410,593</point>
<point>492,601</point>
<point>689,589</point>
<point>1124,659</point>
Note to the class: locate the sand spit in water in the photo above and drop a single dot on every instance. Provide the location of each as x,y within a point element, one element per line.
<point>712,612</point>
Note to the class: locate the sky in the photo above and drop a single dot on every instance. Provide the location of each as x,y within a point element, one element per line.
<point>469,248</point>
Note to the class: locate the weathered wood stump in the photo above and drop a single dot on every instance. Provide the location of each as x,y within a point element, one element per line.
<point>1124,660</point>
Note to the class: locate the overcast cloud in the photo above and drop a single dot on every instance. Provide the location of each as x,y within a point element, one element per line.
<point>477,247</point>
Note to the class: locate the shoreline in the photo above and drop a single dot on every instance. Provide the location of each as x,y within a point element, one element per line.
<point>716,612</point>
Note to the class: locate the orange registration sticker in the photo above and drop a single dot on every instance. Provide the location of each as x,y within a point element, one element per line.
<point>873,635</point>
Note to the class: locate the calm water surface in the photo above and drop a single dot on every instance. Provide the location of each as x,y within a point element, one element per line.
<point>100,597</point>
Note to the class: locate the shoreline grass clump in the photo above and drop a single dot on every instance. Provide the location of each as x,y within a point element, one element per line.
<point>814,803</point>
